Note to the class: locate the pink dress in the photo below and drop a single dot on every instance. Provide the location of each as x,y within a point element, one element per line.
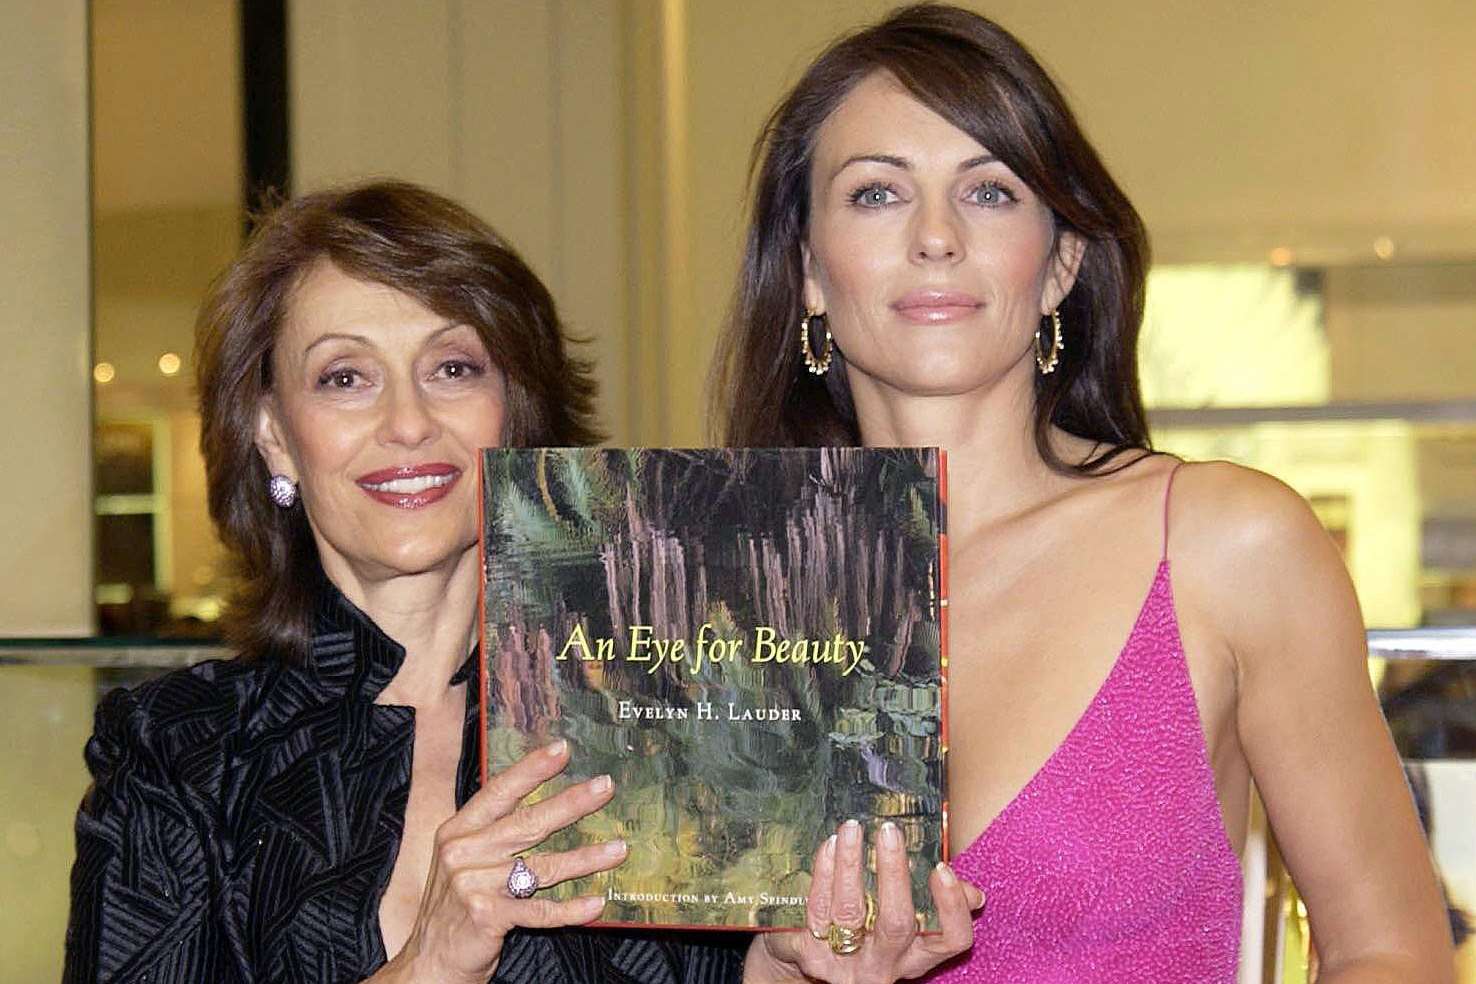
<point>1113,863</point>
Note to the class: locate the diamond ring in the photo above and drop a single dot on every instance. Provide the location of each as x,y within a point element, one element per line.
<point>521,882</point>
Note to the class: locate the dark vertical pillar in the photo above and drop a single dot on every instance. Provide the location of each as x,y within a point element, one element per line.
<point>265,101</point>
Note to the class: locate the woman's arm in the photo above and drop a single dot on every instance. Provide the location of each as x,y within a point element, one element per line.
<point>1273,589</point>
<point>142,905</point>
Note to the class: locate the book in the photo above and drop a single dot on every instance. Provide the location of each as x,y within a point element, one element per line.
<point>751,642</point>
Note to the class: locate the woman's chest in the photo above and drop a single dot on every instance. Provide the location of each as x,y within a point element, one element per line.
<point>431,801</point>
<point>1094,687</point>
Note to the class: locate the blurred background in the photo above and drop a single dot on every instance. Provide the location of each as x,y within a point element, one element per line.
<point>1307,172</point>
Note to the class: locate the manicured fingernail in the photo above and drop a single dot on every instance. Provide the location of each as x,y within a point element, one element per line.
<point>600,784</point>
<point>830,845</point>
<point>556,749</point>
<point>890,835</point>
<point>946,873</point>
<point>616,849</point>
<point>851,833</point>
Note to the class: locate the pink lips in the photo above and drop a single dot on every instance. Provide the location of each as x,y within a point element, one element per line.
<point>410,486</point>
<point>936,307</point>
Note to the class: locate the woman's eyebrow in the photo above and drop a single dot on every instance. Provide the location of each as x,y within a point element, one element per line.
<point>332,335</point>
<point>978,161</point>
<point>903,164</point>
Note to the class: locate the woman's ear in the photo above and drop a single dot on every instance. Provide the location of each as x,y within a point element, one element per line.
<point>1064,264</point>
<point>814,293</point>
<point>270,442</point>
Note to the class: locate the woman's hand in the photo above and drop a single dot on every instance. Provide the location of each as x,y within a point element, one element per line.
<point>892,948</point>
<point>466,910</point>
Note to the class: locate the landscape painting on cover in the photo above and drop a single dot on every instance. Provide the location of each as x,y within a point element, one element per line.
<point>749,642</point>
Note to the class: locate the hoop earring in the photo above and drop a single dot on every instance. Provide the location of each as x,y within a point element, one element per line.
<point>282,490</point>
<point>1046,362</point>
<point>821,365</point>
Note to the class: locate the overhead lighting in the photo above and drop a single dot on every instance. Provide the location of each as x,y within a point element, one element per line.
<point>104,372</point>
<point>169,364</point>
<point>1281,256</point>
<point>1384,248</point>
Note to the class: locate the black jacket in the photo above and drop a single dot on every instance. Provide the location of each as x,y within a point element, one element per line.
<point>244,818</point>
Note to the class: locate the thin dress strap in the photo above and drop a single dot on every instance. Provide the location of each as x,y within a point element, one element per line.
<point>1167,492</point>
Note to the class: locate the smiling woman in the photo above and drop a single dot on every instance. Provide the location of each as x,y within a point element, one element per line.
<point>310,811</point>
<point>378,401</point>
<point>308,322</point>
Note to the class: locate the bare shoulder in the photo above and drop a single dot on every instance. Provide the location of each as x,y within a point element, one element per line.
<point>1250,556</point>
<point>1229,516</point>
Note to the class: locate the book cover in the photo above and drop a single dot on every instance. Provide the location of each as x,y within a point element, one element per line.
<point>750,642</point>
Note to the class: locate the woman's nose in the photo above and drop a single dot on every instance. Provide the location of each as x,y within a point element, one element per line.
<point>408,419</point>
<point>935,234</point>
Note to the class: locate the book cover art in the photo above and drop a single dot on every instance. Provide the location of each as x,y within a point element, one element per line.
<point>750,642</point>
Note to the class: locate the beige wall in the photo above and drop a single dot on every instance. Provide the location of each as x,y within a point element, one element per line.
<point>1402,332</point>
<point>166,97</point>
<point>46,552</point>
<point>512,108</point>
<point>46,555</point>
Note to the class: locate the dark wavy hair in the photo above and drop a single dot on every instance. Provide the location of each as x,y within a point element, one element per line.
<point>390,233</point>
<point>976,76</point>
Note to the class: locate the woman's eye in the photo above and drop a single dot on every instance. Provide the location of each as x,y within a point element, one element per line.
<point>339,379</point>
<point>873,196</point>
<point>459,369</point>
<point>991,194</point>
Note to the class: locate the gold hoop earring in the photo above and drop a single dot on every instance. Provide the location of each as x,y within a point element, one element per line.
<point>1046,362</point>
<point>817,365</point>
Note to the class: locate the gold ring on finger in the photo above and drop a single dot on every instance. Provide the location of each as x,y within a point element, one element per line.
<point>870,922</point>
<point>822,936</point>
<point>843,940</point>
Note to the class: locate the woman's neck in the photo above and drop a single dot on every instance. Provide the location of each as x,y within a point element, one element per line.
<point>431,614</point>
<point>995,470</point>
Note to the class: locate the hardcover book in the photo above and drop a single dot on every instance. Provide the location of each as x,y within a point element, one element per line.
<point>750,642</point>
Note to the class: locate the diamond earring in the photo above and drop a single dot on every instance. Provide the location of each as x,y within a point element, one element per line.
<point>283,491</point>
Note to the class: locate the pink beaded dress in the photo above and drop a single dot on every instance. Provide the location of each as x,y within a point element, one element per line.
<point>1113,863</point>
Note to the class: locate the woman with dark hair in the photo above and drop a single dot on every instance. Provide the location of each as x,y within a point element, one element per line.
<point>309,811</point>
<point>937,256</point>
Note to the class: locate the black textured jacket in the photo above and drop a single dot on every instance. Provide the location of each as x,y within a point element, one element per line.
<point>244,818</point>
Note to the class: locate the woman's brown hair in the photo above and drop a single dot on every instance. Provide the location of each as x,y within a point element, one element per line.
<point>390,233</point>
<point>976,76</point>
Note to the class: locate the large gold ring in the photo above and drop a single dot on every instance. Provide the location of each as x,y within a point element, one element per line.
<point>844,940</point>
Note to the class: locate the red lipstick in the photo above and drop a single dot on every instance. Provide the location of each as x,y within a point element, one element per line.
<point>410,486</point>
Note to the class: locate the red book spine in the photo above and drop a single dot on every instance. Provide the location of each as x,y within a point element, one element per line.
<point>482,615</point>
<point>943,628</point>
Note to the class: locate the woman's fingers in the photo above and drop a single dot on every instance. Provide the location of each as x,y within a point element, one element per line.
<point>505,790</point>
<point>549,869</point>
<point>524,828</point>
<point>822,878</point>
<point>547,914</point>
<point>951,899</point>
<point>531,825</point>
<point>896,917</point>
<point>848,894</point>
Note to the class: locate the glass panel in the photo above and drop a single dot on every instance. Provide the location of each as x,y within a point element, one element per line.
<point>1354,384</point>
<point>123,459</point>
<point>167,217</point>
